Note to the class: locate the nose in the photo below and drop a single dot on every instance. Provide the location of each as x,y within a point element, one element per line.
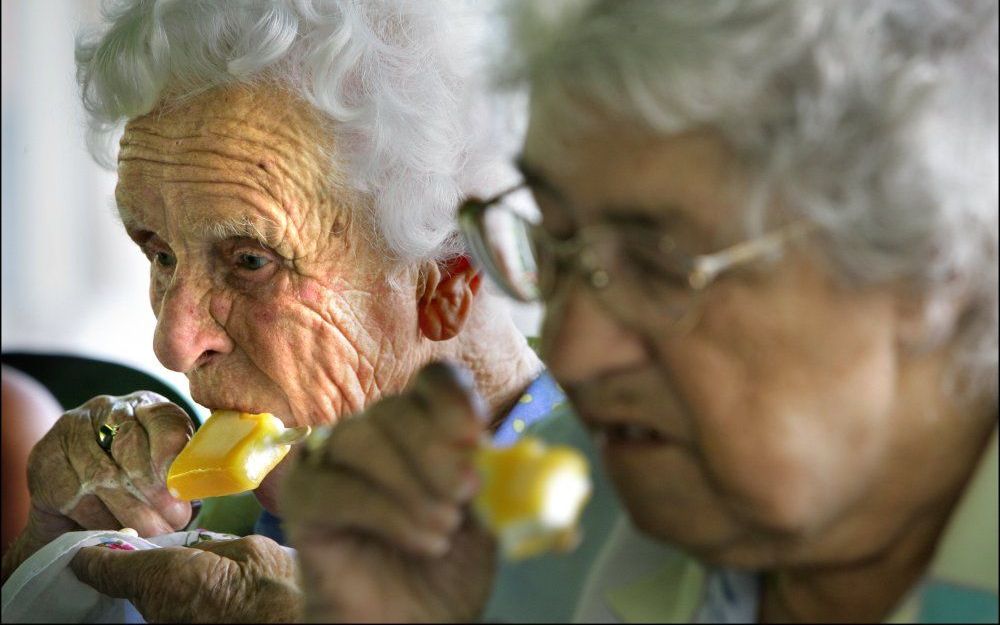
<point>581,339</point>
<point>187,335</point>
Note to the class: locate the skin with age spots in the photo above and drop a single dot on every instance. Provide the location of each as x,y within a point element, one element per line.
<point>257,274</point>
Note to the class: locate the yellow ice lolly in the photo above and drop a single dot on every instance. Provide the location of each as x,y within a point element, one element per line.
<point>532,496</point>
<point>230,453</point>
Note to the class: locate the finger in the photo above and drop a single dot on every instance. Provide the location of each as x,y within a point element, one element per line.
<point>445,469</point>
<point>131,451</point>
<point>451,402</point>
<point>92,465</point>
<point>360,447</point>
<point>99,410</point>
<point>115,410</point>
<point>90,513</point>
<point>133,512</point>
<point>169,429</point>
<point>266,554</point>
<point>98,474</point>
<point>112,572</point>
<point>339,502</point>
<point>52,481</point>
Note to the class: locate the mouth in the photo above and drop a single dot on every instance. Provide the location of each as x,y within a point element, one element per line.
<point>620,433</point>
<point>216,405</point>
<point>628,434</point>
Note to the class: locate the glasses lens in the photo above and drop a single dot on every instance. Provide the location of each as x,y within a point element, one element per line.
<point>500,238</point>
<point>644,278</point>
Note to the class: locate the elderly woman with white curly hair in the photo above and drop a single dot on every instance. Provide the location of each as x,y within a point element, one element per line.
<point>768,246</point>
<point>290,170</point>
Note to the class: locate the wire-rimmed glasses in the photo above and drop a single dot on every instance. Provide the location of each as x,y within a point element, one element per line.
<point>635,269</point>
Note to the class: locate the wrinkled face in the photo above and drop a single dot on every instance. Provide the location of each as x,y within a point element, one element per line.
<point>266,296</point>
<point>758,434</point>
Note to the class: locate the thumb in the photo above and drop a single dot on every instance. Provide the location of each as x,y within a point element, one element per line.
<point>111,572</point>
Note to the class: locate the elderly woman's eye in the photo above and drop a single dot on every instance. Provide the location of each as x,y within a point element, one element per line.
<point>654,264</point>
<point>253,262</point>
<point>164,259</point>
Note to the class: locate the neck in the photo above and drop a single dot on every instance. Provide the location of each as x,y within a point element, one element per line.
<point>864,591</point>
<point>869,587</point>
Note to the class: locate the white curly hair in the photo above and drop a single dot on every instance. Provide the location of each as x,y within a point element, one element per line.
<point>875,119</point>
<point>398,79</point>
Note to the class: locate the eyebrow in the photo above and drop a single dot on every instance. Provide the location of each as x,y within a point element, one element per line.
<point>136,230</point>
<point>264,231</point>
<point>661,217</point>
<point>534,178</point>
<point>244,227</point>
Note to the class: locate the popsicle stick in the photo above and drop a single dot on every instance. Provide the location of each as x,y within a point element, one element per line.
<point>293,435</point>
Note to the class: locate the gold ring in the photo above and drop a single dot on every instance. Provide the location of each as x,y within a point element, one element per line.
<point>106,436</point>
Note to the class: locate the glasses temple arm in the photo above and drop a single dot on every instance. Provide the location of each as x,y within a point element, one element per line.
<point>706,268</point>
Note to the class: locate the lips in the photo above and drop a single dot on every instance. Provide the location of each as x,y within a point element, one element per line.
<point>629,433</point>
<point>219,401</point>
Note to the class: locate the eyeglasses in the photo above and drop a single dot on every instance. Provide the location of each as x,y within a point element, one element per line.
<point>639,272</point>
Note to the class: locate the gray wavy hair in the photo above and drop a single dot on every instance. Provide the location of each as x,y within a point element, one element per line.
<point>397,78</point>
<point>877,120</point>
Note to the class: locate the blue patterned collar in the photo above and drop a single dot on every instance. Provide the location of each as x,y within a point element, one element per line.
<point>535,403</point>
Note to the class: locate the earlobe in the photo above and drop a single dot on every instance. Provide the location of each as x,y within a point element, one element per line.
<point>445,301</point>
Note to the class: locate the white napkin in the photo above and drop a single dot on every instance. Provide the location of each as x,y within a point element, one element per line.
<point>45,590</point>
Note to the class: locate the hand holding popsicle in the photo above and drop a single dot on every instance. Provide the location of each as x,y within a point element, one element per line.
<point>406,502</point>
<point>76,482</point>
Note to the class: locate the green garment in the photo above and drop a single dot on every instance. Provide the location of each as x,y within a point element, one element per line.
<point>235,514</point>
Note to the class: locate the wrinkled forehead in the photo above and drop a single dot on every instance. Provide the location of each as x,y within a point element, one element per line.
<point>262,119</point>
<point>257,146</point>
<point>608,165</point>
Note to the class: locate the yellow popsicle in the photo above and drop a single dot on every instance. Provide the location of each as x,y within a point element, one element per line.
<point>532,496</point>
<point>230,453</point>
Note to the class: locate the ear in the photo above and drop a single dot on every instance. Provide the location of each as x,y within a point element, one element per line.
<point>445,298</point>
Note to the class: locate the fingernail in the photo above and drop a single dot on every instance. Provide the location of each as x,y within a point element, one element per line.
<point>469,485</point>
<point>436,544</point>
<point>444,517</point>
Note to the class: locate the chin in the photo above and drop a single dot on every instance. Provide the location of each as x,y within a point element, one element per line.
<point>710,533</point>
<point>705,541</point>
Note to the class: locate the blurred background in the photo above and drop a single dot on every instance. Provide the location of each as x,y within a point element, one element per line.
<point>72,281</point>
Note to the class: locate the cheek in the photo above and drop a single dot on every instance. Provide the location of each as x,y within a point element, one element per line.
<point>264,315</point>
<point>257,324</point>
<point>789,403</point>
<point>312,294</point>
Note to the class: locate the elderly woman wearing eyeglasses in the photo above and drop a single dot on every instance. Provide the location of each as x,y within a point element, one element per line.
<point>767,240</point>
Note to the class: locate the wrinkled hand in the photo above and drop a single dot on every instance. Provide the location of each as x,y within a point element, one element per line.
<point>379,512</point>
<point>249,580</point>
<point>75,484</point>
